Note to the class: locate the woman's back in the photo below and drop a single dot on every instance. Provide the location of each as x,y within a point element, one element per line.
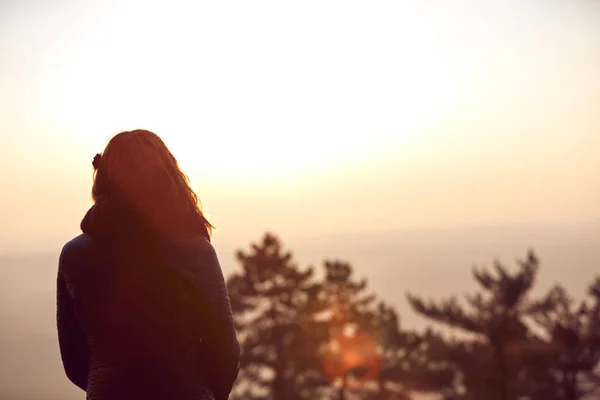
<point>141,320</point>
<point>143,312</point>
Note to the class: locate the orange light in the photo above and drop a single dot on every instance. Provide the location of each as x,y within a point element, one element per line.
<point>359,350</point>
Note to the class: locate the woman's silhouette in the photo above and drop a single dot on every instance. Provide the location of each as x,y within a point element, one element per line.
<point>143,311</point>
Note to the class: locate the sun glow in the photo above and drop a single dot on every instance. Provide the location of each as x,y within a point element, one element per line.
<point>317,116</point>
<point>277,99</point>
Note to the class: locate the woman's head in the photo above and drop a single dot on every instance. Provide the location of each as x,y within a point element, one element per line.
<point>138,168</point>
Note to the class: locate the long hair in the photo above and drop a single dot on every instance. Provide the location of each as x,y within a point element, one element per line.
<point>137,167</point>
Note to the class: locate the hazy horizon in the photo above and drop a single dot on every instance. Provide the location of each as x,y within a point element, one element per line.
<point>433,262</point>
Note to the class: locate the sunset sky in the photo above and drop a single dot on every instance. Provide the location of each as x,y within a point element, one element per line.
<point>307,117</point>
<point>409,137</point>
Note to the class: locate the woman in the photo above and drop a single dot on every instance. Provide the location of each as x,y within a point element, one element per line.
<point>142,307</point>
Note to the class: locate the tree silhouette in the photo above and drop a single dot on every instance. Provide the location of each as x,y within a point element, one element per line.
<point>378,351</point>
<point>346,337</point>
<point>571,334</point>
<point>267,297</point>
<point>308,338</point>
<point>411,362</point>
<point>493,319</point>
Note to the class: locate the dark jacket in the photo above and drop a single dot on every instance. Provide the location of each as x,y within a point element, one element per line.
<point>145,319</point>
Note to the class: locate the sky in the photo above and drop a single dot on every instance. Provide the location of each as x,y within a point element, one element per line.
<point>307,118</point>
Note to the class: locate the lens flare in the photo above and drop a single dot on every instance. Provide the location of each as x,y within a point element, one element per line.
<point>355,355</point>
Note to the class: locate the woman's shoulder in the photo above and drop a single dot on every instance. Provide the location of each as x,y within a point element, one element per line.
<point>78,243</point>
<point>196,244</point>
<point>191,254</point>
<point>77,251</point>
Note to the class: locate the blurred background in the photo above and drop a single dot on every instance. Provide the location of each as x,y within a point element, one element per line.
<point>412,139</point>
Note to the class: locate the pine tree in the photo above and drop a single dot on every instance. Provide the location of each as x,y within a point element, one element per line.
<point>571,334</point>
<point>343,317</point>
<point>267,298</point>
<point>411,361</point>
<point>493,322</point>
<point>387,362</point>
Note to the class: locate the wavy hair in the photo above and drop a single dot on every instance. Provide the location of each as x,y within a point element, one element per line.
<point>138,168</point>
